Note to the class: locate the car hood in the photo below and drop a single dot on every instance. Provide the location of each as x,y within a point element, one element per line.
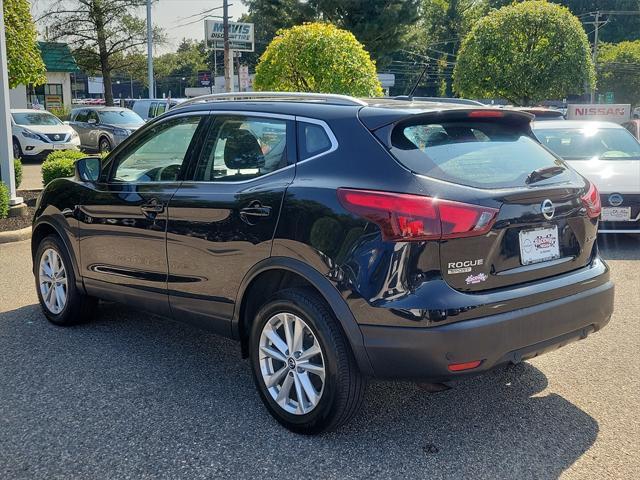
<point>62,129</point>
<point>609,176</point>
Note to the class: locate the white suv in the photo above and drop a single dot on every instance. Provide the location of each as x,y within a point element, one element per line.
<point>38,132</point>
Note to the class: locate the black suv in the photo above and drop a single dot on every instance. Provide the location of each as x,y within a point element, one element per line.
<point>335,238</point>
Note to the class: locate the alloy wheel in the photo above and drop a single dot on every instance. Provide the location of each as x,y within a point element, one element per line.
<point>291,363</point>
<point>52,278</point>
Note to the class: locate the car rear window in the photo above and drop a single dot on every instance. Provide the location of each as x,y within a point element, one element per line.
<point>589,142</point>
<point>479,154</point>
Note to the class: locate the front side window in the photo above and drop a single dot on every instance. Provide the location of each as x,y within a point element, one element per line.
<point>81,116</point>
<point>589,142</point>
<point>157,155</point>
<point>241,148</point>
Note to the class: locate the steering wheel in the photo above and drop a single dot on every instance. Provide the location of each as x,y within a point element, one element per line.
<point>168,173</point>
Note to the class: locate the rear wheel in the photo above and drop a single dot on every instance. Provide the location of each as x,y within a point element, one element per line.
<point>302,364</point>
<point>60,299</point>
<point>105,145</point>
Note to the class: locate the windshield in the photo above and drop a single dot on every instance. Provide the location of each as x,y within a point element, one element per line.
<point>120,117</point>
<point>590,142</point>
<point>479,154</point>
<point>35,118</point>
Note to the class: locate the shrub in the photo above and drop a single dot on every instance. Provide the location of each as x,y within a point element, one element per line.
<point>17,171</point>
<point>60,164</point>
<point>62,113</point>
<point>4,200</point>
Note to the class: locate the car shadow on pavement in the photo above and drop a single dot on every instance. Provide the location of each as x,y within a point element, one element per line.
<point>619,247</point>
<point>131,395</point>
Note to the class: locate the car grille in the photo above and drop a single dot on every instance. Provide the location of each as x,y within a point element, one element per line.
<point>57,137</point>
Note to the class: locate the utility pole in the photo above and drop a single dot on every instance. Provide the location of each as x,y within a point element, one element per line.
<point>228,65</point>
<point>6,150</point>
<point>150,50</point>
<point>595,53</point>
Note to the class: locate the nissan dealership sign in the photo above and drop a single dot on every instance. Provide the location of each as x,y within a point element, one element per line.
<point>618,113</point>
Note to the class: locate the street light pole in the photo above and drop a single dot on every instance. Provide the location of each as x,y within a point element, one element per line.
<point>150,49</point>
<point>228,79</point>
<point>6,143</point>
<point>595,54</point>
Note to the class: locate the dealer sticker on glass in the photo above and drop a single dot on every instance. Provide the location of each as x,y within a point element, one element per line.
<point>539,245</point>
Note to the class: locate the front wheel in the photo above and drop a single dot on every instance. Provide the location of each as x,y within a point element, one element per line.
<point>61,301</point>
<point>302,363</point>
<point>105,145</point>
<point>17,150</point>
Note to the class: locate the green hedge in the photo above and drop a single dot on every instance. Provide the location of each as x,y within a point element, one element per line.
<point>59,164</point>
<point>17,171</point>
<point>4,200</point>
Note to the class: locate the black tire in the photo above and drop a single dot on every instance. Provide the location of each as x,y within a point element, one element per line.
<point>344,385</point>
<point>104,145</point>
<point>17,150</point>
<point>78,307</point>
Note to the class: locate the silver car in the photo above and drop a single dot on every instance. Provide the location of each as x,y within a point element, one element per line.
<point>102,128</point>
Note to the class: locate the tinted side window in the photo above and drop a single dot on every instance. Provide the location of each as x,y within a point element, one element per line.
<point>158,155</point>
<point>242,148</point>
<point>152,107</point>
<point>81,116</point>
<point>312,140</point>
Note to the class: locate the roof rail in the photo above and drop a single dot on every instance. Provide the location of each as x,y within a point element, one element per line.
<point>329,98</point>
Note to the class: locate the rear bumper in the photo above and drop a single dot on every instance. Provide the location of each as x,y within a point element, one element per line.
<point>426,353</point>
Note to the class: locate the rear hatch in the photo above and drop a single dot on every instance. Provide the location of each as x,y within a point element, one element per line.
<point>544,219</point>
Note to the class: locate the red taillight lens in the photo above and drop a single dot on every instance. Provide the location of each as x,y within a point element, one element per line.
<point>405,217</point>
<point>591,201</point>
<point>459,367</point>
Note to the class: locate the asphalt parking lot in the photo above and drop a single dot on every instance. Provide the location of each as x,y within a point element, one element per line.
<point>132,395</point>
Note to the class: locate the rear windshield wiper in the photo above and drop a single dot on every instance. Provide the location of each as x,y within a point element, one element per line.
<point>544,173</point>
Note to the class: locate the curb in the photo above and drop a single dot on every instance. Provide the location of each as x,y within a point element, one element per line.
<point>15,235</point>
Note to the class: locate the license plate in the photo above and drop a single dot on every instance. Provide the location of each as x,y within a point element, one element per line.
<point>61,146</point>
<point>616,214</point>
<point>539,245</point>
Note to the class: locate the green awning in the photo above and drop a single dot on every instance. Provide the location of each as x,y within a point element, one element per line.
<point>57,57</point>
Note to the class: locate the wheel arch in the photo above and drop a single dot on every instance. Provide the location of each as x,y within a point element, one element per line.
<point>269,273</point>
<point>48,226</point>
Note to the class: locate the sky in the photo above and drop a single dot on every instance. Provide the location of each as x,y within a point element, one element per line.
<point>171,15</point>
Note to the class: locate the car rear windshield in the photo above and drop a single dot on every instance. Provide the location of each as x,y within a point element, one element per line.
<point>481,154</point>
<point>586,143</point>
<point>120,117</point>
<point>35,118</point>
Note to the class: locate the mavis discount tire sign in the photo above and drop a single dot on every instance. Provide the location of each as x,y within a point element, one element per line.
<point>618,113</point>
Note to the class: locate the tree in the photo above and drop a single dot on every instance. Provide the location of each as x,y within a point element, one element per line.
<point>23,55</point>
<point>619,71</point>
<point>617,28</point>
<point>317,57</point>
<point>103,34</point>
<point>379,24</point>
<point>525,53</point>
<point>442,26</point>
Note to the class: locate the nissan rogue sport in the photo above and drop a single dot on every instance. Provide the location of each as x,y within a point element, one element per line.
<point>337,239</point>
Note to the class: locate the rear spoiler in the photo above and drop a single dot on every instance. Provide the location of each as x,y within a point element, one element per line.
<point>498,115</point>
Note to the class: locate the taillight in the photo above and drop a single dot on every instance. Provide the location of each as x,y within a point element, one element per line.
<point>485,114</point>
<point>591,201</point>
<point>405,217</point>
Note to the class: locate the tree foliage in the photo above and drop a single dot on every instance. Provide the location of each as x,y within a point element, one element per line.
<point>619,71</point>
<point>525,53</point>
<point>379,24</point>
<point>103,33</point>
<point>317,57</point>
<point>23,55</point>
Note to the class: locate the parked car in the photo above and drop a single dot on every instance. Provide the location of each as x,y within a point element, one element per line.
<point>634,127</point>
<point>609,156</point>
<point>336,239</point>
<point>151,108</point>
<point>635,113</point>
<point>103,128</point>
<point>37,133</point>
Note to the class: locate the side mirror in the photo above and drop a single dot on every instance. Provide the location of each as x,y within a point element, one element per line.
<point>88,169</point>
<point>92,121</point>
